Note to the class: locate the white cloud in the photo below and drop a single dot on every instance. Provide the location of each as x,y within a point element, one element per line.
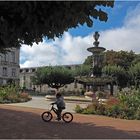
<point>127,37</point>
<point>73,50</point>
<point>68,50</point>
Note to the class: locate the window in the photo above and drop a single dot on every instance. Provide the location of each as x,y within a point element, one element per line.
<point>12,56</point>
<point>31,78</point>
<point>1,82</point>
<point>4,71</point>
<point>4,57</point>
<point>0,57</point>
<point>33,70</point>
<point>30,84</point>
<point>13,72</point>
<point>24,77</point>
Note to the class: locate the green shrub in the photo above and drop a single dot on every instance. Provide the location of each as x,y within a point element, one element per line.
<point>78,109</point>
<point>130,98</point>
<point>100,109</point>
<point>13,98</point>
<point>116,110</point>
<point>88,111</point>
<point>10,94</point>
<point>3,93</point>
<point>137,114</point>
<point>125,106</point>
<point>91,109</point>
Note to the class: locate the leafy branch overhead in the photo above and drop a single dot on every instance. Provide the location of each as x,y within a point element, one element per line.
<point>25,22</point>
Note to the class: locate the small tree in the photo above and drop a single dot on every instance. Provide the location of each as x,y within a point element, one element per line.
<point>55,77</point>
<point>118,72</point>
<point>83,70</point>
<point>134,72</point>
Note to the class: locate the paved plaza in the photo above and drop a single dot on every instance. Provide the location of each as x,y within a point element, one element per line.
<point>43,103</point>
<point>25,123</point>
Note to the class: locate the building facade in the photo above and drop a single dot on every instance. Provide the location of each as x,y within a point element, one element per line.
<point>9,67</point>
<point>26,75</point>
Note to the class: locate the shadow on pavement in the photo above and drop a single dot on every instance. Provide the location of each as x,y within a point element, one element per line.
<point>29,125</point>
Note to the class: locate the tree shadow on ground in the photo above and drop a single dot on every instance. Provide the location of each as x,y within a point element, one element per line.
<point>29,125</point>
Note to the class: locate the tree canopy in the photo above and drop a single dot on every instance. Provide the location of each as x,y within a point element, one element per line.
<point>119,73</point>
<point>54,77</point>
<point>122,65</point>
<point>26,22</point>
<point>83,70</point>
<point>134,73</point>
<point>120,58</point>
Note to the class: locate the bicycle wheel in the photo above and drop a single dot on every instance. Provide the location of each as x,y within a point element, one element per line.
<point>67,117</point>
<point>46,116</point>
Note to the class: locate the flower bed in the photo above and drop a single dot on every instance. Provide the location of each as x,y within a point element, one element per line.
<point>11,94</point>
<point>125,106</point>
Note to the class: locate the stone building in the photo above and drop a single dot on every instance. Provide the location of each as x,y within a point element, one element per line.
<point>26,75</point>
<point>9,67</point>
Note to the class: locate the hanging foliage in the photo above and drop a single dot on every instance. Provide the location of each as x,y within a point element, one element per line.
<point>26,22</point>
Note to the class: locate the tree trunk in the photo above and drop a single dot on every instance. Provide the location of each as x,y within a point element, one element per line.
<point>40,88</point>
<point>111,89</point>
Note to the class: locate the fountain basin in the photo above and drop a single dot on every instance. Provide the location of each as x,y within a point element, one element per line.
<point>96,49</point>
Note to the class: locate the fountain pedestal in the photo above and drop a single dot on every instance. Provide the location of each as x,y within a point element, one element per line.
<point>96,80</point>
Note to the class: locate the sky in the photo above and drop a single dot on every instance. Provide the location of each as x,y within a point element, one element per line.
<point>120,32</point>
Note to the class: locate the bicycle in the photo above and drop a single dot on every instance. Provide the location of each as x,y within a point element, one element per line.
<point>47,115</point>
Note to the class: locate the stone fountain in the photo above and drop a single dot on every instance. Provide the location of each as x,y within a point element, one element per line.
<point>96,81</point>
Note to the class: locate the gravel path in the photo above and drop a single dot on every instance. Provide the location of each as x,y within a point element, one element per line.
<point>25,123</point>
<point>42,103</point>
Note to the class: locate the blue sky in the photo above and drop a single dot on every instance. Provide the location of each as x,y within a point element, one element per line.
<point>116,16</point>
<point>120,32</point>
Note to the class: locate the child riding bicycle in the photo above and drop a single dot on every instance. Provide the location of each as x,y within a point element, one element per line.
<point>60,105</point>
